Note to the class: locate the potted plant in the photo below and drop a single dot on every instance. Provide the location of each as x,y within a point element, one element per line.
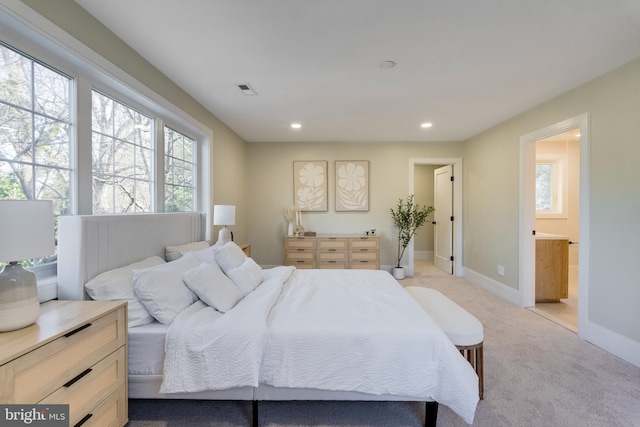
<point>407,218</point>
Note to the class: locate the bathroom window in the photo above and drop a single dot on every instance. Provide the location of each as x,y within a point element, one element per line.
<point>550,188</point>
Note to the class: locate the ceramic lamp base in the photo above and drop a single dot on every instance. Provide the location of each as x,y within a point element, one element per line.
<point>20,306</point>
<point>224,235</point>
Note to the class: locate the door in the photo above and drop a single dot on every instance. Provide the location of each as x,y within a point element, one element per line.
<point>443,218</point>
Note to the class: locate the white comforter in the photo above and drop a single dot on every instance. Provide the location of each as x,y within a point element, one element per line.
<point>351,330</point>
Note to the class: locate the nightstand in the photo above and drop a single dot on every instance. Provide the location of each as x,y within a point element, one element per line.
<point>246,248</point>
<point>75,354</point>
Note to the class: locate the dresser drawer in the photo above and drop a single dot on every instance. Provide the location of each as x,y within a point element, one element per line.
<point>328,243</point>
<point>364,265</point>
<point>301,255</point>
<point>40,372</point>
<point>332,255</point>
<point>91,385</point>
<point>332,264</point>
<point>364,255</point>
<point>299,243</point>
<point>364,243</point>
<point>111,412</point>
<point>301,263</point>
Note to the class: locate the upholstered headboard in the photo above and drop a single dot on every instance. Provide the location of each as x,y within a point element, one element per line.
<point>92,244</point>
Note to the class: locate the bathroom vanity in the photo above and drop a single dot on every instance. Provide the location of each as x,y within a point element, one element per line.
<point>552,267</point>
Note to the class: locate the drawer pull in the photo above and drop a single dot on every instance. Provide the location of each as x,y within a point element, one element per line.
<point>299,250</point>
<point>75,331</point>
<point>332,250</point>
<point>77,378</point>
<point>364,250</point>
<point>332,262</point>
<point>84,420</point>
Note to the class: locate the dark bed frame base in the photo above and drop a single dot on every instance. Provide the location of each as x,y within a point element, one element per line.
<point>430,415</point>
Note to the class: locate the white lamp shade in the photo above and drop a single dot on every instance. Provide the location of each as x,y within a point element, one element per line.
<point>26,229</point>
<point>224,215</point>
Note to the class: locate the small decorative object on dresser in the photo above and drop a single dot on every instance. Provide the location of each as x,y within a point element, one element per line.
<point>76,354</point>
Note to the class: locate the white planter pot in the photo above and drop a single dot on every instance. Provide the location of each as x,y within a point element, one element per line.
<point>398,273</point>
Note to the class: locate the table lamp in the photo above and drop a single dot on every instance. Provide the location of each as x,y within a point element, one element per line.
<point>224,215</point>
<point>26,231</point>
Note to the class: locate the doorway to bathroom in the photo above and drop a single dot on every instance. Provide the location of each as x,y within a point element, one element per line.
<point>553,221</point>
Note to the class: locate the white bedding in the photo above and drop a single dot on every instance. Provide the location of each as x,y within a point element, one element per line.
<point>146,349</point>
<point>351,330</point>
<point>205,350</point>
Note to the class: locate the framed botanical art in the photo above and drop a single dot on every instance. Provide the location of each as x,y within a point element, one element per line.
<point>352,185</point>
<point>310,185</point>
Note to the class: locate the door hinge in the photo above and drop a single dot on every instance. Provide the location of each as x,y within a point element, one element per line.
<point>451,217</point>
<point>533,232</point>
<point>452,178</point>
<point>451,258</point>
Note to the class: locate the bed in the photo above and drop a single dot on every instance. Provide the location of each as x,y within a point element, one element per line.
<point>299,335</point>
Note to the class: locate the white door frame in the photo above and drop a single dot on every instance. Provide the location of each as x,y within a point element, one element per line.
<point>457,207</point>
<point>528,212</point>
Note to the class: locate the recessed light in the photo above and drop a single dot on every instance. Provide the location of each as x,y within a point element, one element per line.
<point>296,125</point>
<point>426,125</point>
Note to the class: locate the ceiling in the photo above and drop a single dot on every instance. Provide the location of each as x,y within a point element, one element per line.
<point>462,65</point>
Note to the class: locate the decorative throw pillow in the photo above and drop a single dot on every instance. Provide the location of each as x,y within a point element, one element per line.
<point>161,289</point>
<point>247,276</point>
<point>117,284</point>
<point>229,256</point>
<point>172,253</point>
<point>213,287</point>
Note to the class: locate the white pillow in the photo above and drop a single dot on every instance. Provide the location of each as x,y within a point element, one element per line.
<point>247,277</point>
<point>117,284</point>
<point>207,255</point>
<point>161,289</point>
<point>229,256</point>
<point>172,253</point>
<point>213,287</point>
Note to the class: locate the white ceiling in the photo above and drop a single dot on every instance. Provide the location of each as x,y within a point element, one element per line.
<point>463,65</point>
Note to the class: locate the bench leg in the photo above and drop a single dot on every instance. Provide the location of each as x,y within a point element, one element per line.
<point>475,356</point>
<point>430,414</point>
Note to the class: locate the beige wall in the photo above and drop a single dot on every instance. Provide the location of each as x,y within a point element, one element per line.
<point>270,189</point>
<point>228,152</point>
<point>492,190</point>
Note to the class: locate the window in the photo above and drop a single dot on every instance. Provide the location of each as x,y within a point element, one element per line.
<point>122,157</point>
<point>35,132</point>
<point>179,171</point>
<point>550,188</point>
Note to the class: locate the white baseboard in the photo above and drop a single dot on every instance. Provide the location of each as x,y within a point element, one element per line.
<point>497,288</point>
<point>608,340</point>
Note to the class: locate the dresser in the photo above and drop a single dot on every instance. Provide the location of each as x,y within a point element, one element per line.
<point>75,354</point>
<point>341,251</point>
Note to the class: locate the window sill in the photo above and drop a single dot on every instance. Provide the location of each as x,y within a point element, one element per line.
<point>47,288</point>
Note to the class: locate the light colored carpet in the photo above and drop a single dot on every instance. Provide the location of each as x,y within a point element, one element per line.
<point>537,373</point>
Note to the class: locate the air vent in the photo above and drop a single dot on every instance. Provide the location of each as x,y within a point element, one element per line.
<point>246,89</point>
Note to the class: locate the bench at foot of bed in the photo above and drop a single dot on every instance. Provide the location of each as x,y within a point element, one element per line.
<point>462,328</point>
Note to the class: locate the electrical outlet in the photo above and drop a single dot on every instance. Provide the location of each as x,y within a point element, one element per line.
<point>500,270</point>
